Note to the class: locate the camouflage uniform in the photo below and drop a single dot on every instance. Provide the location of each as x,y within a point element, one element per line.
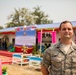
<point>59,63</point>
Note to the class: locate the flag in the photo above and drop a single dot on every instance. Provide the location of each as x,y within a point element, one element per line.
<point>17,29</point>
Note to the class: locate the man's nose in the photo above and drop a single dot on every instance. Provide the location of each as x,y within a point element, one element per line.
<point>66,30</point>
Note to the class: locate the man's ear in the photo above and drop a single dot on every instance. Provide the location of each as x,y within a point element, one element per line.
<point>59,32</point>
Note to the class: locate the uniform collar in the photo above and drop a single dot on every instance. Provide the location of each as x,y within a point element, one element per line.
<point>73,47</point>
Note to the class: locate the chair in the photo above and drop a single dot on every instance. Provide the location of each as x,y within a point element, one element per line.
<point>20,58</point>
<point>34,61</point>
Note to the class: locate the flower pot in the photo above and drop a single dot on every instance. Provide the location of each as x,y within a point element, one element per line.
<point>4,73</point>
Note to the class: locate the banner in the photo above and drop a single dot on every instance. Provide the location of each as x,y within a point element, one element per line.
<point>47,37</point>
<point>25,37</point>
<point>25,40</point>
<point>39,37</point>
<point>53,36</point>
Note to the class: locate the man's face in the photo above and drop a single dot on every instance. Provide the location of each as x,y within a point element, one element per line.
<point>66,31</point>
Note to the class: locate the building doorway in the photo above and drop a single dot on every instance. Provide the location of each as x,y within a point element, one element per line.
<point>5,41</point>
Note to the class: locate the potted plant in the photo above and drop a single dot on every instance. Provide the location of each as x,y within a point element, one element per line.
<point>4,70</point>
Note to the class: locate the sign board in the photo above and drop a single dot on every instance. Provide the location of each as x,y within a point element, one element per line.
<point>25,37</point>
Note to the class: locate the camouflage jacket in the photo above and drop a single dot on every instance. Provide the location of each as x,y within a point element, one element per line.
<point>59,63</point>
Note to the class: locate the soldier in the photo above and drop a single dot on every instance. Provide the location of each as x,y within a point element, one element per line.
<point>60,59</point>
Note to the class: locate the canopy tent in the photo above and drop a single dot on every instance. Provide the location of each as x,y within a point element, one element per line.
<point>7,30</point>
<point>53,25</point>
<point>38,27</point>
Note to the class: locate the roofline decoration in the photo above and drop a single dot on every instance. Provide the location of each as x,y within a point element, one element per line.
<point>54,26</point>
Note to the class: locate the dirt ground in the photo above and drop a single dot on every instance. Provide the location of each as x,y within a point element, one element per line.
<point>15,69</point>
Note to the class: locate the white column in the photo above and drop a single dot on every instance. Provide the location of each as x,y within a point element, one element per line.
<point>41,42</point>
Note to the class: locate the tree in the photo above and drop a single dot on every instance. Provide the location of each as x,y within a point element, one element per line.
<point>26,17</point>
<point>1,27</point>
<point>20,17</point>
<point>40,17</point>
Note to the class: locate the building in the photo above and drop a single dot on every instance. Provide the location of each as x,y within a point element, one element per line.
<point>8,35</point>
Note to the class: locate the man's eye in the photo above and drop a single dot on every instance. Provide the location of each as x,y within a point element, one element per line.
<point>64,29</point>
<point>67,29</point>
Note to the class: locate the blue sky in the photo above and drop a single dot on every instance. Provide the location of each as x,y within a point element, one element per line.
<point>57,10</point>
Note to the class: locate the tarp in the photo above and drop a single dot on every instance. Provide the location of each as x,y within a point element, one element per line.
<point>39,26</point>
<point>52,26</point>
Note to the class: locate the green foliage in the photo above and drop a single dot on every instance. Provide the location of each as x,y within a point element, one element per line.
<point>4,68</point>
<point>11,24</point>
<point>40,18</point>
<point>34,49</point>
<point>1,27</point>
<point>20,17</point>
<point>24,16</point>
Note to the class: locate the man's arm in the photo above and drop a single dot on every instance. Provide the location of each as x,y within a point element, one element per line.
<point>44,70</point>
